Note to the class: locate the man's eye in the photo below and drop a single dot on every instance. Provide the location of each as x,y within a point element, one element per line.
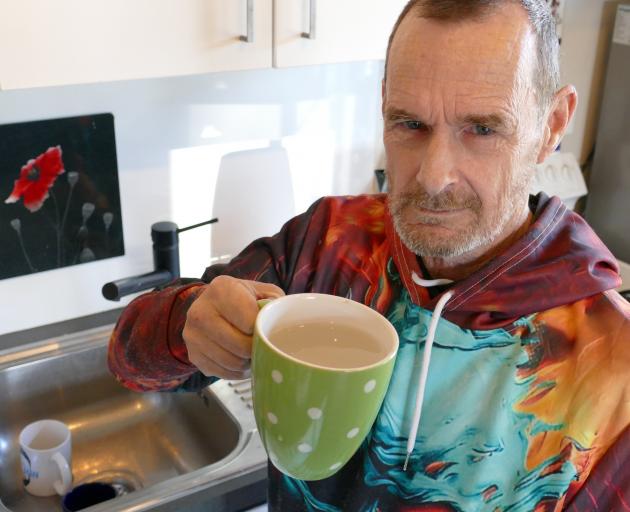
<point>413,125</point>
<point>482,130</point>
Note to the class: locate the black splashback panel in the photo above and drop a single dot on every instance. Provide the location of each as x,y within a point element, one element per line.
<point>59,194</point>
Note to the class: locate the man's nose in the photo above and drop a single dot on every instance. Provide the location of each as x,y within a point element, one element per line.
<point>438,164</point>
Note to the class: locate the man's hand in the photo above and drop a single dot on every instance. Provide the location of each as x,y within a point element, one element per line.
<point>220,323</point>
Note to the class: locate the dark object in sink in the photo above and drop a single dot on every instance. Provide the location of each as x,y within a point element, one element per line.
<point>86,495</point>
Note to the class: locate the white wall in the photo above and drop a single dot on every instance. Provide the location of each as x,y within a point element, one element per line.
<point>586,33</point>
<point>268,142</point>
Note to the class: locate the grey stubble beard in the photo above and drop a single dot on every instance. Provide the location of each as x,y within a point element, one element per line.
<point>470,237</point>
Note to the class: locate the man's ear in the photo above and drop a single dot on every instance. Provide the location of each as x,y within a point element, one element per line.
<point>558,118</point>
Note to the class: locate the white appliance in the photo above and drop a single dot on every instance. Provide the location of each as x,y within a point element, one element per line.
<point>560,175</point>
<point>624,270</point>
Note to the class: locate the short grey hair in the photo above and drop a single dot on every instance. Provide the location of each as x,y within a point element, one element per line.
<point>546,78</point>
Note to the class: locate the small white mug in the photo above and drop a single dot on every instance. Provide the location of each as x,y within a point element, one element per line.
<point>46,453</point>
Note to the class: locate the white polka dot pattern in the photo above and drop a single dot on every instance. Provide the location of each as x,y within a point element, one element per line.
<point>314,413</point>
<point>352,433</point>
<point>305,448</point>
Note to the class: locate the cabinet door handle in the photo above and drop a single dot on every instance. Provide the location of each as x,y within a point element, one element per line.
<point>312,18</point>
<point>249,38</point>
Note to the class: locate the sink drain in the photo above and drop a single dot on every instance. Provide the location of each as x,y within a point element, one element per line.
<point>122,487</point>
<point>100,487</point>
<point>86,495</point>
<point>123,482</point>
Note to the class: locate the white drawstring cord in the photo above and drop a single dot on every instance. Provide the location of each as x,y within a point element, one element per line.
<point>426,357</point>
<point>427,283</point>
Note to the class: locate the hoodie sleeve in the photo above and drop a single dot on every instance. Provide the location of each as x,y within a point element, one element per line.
<point>146,349</point>
<point>607,488</point>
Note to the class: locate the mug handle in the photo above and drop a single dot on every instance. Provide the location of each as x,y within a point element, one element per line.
<point>62,486</point>
<point>263,302</point>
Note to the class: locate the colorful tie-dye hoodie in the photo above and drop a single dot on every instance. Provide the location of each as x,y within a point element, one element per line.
<point>527,403</point>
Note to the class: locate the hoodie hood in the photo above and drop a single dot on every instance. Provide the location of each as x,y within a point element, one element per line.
<point>558,261</point>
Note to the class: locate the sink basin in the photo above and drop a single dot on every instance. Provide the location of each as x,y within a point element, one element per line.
<point>159,450</point>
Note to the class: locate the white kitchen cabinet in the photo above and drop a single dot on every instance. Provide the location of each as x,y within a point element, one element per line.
<point>60,42</point>
<point>339,30</point>
<point>45,43</point>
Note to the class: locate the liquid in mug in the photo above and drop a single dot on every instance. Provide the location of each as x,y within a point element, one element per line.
<point>328,343</point>
<point>45,441</point>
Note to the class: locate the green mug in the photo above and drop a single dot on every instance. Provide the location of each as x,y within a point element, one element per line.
<point>321,366</point>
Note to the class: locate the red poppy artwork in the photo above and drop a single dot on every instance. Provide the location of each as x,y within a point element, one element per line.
<point>36,177</point>
<point>59,194</point>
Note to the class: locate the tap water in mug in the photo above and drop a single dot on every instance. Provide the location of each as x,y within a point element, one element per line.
<point>328,343</point>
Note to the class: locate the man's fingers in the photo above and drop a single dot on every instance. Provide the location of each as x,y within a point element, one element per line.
<point>223,336</point>
<point>219,325</point>
<point>236,300</point>
<point>265,290</point>
<point>233,340</point>
<point>227,359</point>
<point>211,369</point>
<point>202,349</point>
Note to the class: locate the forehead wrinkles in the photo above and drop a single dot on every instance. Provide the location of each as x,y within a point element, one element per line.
<point>431,98</point>
<point>485,59</point>
<point>413,61</point>
<point>423,64</point>
<point>430,87</point>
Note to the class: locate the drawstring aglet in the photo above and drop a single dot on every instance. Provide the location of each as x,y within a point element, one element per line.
<point>406,462</point>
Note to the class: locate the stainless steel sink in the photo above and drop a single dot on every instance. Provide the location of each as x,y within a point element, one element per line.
<point>160,450</point>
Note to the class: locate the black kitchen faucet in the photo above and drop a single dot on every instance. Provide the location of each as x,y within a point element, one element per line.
<point>165,236</point>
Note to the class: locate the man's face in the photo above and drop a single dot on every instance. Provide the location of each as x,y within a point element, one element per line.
<point>461,131</point>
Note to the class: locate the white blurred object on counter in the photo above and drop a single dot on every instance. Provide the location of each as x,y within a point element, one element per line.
<point>624,271</point>
<point>560,175</point>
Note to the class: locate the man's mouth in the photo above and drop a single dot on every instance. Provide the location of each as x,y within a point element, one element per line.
<point>442,212</point>
<point>419,216</point>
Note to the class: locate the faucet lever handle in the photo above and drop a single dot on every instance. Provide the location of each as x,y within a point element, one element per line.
<point>211,221</point>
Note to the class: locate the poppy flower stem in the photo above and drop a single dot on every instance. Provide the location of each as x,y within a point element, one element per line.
<point>57,227</point>
<point>65,215</point>
<point>28,260</point>
<point>17,226</point>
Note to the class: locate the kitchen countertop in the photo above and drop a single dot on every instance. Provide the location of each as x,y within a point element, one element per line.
<point>13,339</point>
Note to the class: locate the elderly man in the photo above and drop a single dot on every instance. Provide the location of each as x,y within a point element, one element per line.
<point>527,398</point>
